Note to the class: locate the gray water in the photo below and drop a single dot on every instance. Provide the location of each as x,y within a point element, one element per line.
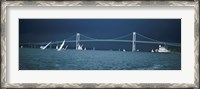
<point>50,59</point>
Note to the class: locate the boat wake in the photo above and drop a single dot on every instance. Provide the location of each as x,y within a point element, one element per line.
<point>154,67</point>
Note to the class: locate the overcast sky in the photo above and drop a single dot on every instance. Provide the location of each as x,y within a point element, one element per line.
<point>44,30</point>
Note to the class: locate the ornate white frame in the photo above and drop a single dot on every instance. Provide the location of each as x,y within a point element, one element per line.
<point>6,4</point>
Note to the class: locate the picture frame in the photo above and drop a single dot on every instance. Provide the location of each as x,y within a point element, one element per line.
<point>4,39</point>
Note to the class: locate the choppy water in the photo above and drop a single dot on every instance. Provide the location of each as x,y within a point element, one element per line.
<point>50,59</point>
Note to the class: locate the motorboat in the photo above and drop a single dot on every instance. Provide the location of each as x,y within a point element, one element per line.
<point>162,49</point>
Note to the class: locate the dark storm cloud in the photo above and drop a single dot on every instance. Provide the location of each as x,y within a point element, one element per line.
<point>42,30</point>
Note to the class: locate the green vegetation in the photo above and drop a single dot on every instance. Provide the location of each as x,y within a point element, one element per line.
<point>175,50</point>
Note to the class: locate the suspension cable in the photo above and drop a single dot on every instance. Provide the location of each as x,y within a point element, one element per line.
<point>106,39</point>
<point>73,36</point>
<point>148,37</point>
<point>88,37</point>
<point>122,36</point>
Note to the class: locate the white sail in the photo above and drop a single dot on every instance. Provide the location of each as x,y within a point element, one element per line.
<point>66,47</point>
<point>152,50</point>
<point>44,47</point>
<point>80,47</point>
<point>124,50</point>
<point>57,47</point>
<point>61,46</point>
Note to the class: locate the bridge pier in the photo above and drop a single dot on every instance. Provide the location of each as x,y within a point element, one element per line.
<point>77,40</point>
<point>133,42</point>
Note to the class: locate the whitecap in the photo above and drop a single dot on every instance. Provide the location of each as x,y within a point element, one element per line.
<point>57,65</point>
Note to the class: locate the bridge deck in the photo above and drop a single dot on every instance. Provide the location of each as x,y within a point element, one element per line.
<point>101,40</point>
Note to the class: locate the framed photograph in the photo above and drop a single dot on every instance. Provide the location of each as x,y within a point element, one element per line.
<point>100,44</point>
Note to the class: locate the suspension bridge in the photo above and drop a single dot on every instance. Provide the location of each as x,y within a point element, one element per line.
<point>133,41</point>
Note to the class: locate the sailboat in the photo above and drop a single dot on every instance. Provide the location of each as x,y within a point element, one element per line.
<point>61,46</point>
<point>152,50</point>
<point>66,47</point>
<point>80,47</point>
<point>44,47</point>
<point>124,50</point>
<point>57,47</point>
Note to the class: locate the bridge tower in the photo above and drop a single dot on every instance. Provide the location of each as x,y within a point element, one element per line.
<point>77,40</point>
<point>133,42</point>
